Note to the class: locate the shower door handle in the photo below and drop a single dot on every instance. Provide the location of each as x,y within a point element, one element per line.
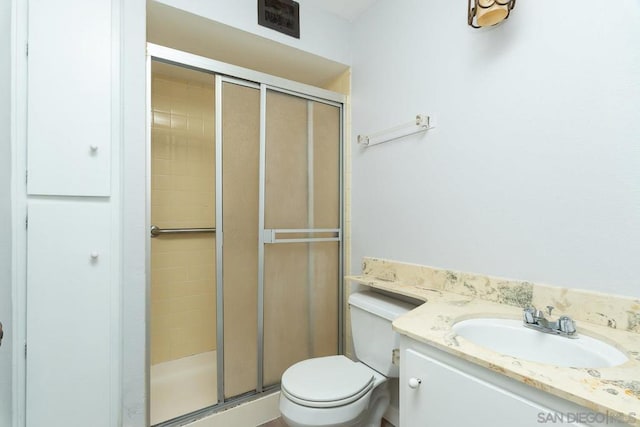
<point>301,235</point>
<point>1,333</point>
<point>157,231</point>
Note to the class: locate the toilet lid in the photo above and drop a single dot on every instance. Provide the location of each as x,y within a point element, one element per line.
<point>326,381</point>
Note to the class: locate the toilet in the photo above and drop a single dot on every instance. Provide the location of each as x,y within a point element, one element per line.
<point>335,391</point>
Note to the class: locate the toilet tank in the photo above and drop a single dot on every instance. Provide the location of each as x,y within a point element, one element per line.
<point>373,337</point>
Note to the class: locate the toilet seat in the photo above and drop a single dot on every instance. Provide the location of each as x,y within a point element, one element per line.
<point>327,382</point>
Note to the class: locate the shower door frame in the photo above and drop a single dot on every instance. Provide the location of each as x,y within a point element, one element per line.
<point>222,72</point>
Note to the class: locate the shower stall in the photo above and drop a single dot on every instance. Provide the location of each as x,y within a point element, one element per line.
<point>245,217</point>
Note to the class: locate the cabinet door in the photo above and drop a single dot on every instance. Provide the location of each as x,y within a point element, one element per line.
<point>69,97</point>
<point>448,397</point>
<point>68,315</point>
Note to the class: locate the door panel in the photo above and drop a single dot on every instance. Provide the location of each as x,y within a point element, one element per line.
<point>68,320</point>
<point>300,304</point>
<point>302,232</point>
<point>69,99</point>
<point>326,165</point>
<point>286,188</point>
<point>240,165</point>
<point>302,163</point>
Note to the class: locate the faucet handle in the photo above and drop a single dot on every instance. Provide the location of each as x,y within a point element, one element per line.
<point>550,309</point>
<point>567,325</point>
<point>528,315</point>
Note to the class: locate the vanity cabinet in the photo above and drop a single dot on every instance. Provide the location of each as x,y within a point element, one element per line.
<point>440,390</point>
<point>447,396</point>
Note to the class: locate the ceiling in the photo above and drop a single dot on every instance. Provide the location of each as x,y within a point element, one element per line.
<point>347,9</point>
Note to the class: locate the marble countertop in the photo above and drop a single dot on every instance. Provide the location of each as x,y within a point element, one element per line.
<point>613,390</point>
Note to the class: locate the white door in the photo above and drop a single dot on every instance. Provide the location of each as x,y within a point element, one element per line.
<point>68,314</point>
<point>69,97</point>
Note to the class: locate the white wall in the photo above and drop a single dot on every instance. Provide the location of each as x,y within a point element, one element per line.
<point>5,213</point>
<point>134,229</point>
<point>534,170</point>
<point>321,33</point>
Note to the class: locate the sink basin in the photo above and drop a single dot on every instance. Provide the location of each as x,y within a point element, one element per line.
<point>510,337</point>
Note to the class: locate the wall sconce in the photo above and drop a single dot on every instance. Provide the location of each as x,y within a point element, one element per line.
<point>485,13</point>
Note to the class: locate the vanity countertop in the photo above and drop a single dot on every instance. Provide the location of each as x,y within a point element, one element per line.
<point>612,390</point>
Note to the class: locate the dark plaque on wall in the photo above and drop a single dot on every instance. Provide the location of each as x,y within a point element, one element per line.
<point>280,15</point>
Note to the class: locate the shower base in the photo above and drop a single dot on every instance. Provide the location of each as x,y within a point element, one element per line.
<point>182,386</point>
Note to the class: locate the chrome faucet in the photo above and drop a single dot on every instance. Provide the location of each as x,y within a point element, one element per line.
<point>535,319</point>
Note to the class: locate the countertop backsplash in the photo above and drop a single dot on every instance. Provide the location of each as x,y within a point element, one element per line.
<point>614,311</point>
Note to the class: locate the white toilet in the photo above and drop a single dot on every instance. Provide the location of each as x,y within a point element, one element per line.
<point>334,391</point>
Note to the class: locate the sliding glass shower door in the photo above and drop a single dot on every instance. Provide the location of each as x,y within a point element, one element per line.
<point>301,231</point>
<point>246,252</point>
<point>239,115</point>
<point>280,244</point>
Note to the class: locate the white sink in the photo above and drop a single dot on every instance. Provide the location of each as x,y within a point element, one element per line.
<point>510,337</point>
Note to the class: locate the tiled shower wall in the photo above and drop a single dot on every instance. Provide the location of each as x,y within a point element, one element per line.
<point>183,300</point>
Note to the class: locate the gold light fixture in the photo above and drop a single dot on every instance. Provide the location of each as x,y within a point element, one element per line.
<point>485,13</point>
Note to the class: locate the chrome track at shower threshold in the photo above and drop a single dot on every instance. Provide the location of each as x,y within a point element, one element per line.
<point>211,410</point>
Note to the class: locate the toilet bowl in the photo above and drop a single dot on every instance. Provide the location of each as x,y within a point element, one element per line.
<point>331,391</point>
<point>334,391</point>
